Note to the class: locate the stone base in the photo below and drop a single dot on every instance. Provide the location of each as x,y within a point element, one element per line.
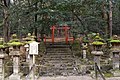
<point>31,78</point>
<point>97,52</point>
<point>14,77</point>
<point>116,73</point>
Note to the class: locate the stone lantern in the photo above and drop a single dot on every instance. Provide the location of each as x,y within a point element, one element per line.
<point>97,49</point>
<point>115,48</point>
<point>15,45</point>
<point>2,56</point>
<point>85,47</point>
<point>30,38</point>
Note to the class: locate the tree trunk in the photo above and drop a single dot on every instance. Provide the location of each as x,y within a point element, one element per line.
<point>6,4</point>
<point>105,16</point>
<point>110,18</point>
<point>6,26</point>
<point>36,21</point>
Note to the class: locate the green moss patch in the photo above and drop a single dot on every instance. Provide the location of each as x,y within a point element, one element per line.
<point>14,40</point>
<point>108,75</point>
<point>115,41</point>
<point>27,42</point>
<point>15,44</point>
<point>98,43</point>
<point>2,46</point>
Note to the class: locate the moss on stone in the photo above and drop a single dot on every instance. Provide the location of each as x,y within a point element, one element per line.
<point>97,43</point>
<point>27,42</point>
<point>108,74</point>
<point>115,41</point>
<point>29,38</point>
<point>15,44</point>
<point>2,46</point>
<point>14,40</point>
<point>98,40</point>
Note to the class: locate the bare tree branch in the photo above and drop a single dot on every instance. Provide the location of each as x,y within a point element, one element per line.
<point>79,20</point>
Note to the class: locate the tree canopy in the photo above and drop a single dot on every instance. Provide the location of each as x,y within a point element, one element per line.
<point>81,15</point>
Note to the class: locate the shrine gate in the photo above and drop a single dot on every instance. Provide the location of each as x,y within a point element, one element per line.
<point>64,29</point>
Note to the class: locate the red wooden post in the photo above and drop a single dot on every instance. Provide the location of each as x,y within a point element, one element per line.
<point>73,40</point>
<point>53,30</point>
<point>45,39</point>
<point>66,28</point>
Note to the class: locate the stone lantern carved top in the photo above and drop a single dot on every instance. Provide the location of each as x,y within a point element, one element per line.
<point>85,40</point>
<point>98,41</point>
<point>115,44</point>
<point>30,38</point>
<point>115,39</point>
<point>85,43</point>
<point>2,44</point>
<point>14,41</point>
<point>2,48</point>
<point>97,45</point>
<point>14,44</point>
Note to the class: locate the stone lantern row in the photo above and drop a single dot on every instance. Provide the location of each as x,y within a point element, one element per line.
<point>98,44</point>
<point>14,50</point>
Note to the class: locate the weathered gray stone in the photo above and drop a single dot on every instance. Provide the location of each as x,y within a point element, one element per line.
<point>116,73</point>
<point>14,76</point>
<point>14,53</point>
<point>1,70</point>
<point>84,54</point>
<point>2,74</point>
<point>116,59</point>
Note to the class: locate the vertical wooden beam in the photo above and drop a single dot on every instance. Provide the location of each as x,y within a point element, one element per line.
<point>53,30</point>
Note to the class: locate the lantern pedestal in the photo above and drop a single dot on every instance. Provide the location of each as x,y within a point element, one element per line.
<point>116,62</point>
<point>31,67</point>
<point>115,49</point>
<point>84,53</point>
<point>15,75</point>
<point>97,55</point>
<point>2,73</point>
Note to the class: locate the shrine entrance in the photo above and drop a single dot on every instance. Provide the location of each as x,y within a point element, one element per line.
<point>61,33</point>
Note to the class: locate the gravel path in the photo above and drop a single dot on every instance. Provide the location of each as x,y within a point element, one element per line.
<point>67,78</point>
<point>75,78</point>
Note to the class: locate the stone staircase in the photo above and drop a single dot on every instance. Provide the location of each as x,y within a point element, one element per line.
<point>58,61</point>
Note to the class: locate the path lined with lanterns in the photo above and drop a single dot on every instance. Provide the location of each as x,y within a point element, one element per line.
<point>18,60</point>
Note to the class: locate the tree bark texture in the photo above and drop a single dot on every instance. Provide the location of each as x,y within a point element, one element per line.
<point>6,4</point>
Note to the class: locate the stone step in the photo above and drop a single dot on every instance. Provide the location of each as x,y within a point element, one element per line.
<point>62,51</point>
<point>58,49</point>
<point>60,64</point>
<point>58,56</point>
<point>58,73</point>
<point>58,69</point>
<point>60,59</point>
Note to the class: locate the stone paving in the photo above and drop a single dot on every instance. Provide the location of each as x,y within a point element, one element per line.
<point>75,78</point>
<point>66,78</point>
